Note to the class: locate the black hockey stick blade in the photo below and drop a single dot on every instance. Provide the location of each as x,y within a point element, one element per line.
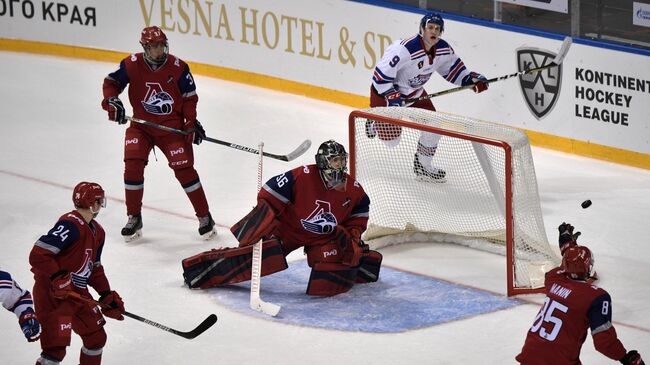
<point>202,327</point>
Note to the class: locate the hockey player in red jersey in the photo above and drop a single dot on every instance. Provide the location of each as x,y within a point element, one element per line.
<point>571,306</point>
<point>401,73</point>
<point>161,91</point>
<point>318,207</point>
<point>19,301</point>
<point>65,260</point>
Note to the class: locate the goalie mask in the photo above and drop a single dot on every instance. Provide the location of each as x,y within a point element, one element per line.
<point>332,161</point>
<point>154,37</point>
<point>578,262</point>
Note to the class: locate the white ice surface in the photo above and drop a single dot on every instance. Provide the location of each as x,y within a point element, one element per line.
<point>55,134</point>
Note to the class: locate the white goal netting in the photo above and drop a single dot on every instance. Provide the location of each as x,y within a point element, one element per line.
<point>488,198</point>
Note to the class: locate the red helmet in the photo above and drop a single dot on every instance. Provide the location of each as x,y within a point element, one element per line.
<point>577,261</point>
<point>152,34</point>
<point>85,194</point>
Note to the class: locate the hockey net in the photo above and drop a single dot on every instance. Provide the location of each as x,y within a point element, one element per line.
<point>488,200</point>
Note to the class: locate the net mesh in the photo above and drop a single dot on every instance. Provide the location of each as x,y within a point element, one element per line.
<point>468,205</point>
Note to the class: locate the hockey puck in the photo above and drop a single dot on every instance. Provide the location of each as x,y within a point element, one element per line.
<point>586,204</point>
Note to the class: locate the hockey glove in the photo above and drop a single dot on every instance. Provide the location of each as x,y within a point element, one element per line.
<point>198,133</point>
<point>116,110</point>
<point>112,305</point>
<point>478,80</point>
<point>394,98</point>
<point>61,284</point>
<point>567,237</point>
<point>632,358</point>
<point>352,245</point>
<point>30,325</point>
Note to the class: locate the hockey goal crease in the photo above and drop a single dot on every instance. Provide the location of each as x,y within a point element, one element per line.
<point>489,201</point>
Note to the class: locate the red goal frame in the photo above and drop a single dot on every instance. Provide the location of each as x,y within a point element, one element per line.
<point>510,249</point>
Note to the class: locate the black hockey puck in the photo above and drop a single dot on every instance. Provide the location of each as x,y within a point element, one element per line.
<point>586,204</point>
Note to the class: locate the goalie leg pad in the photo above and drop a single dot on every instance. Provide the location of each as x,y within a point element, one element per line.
<point>225,266</point>
<point>328,279</point>
<point>258,223</point>
<point>369,267</point>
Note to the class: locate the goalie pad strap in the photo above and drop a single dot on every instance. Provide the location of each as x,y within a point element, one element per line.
<point>328,279</point>
<point>258,223</point>
<point>231,265</point>
<point>369,267</point>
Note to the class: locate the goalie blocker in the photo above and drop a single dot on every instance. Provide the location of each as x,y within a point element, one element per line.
<point>336,266</point>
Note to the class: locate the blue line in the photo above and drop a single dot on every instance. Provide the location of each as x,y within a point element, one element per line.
<point>510,28</point>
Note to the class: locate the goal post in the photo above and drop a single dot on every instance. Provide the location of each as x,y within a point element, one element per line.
<point>487,200</point>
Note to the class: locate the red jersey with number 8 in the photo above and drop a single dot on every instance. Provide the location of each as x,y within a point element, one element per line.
<point>560,328</point>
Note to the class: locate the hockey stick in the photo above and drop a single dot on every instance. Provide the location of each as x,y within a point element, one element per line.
<point>304,146</point>
<point>256,303</point>
<point>556,62</point>
<point>202,327</point>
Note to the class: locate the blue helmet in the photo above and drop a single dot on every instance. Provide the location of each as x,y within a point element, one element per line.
<point>434,18</point>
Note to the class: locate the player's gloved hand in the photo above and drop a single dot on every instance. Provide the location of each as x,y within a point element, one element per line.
<point>567,237</point>
<point>476,79</point>
<point>30,325</point>
<point>632,358</point>
<point>198,133</point>
<point>394,98</point>
<point>116,110</point>
<point>353,247</point>
<point>112,305</point>
<point>61,284</point>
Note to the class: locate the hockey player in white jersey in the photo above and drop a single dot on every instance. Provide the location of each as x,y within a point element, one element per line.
<point>19,301</point>
<point>400,75</point>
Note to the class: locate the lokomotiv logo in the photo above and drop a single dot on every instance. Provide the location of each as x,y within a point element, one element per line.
<point>540,89</point>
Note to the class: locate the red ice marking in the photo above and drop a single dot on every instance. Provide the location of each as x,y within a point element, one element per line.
<point>119,200</point>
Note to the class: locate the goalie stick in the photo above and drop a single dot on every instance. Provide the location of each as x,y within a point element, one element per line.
<point>556,62</point>
<point>256,303</point>
<point>202,327</point>
<point>304,146</point>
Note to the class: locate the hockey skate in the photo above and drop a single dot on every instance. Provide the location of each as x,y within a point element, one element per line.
<point>133,228</point>
<point>423,174</point>
<point>206,227</point>
<point>370,129</point>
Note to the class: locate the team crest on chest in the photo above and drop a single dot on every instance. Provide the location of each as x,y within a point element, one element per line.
<point>156,100</point>
<point>320,220</point>
<point>82,274</point>
<point>420,64</point>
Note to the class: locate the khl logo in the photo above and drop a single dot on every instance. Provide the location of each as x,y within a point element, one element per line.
<point>540,89</point>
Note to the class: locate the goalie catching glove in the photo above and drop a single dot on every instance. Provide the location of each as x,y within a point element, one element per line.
<point>351,244</point>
